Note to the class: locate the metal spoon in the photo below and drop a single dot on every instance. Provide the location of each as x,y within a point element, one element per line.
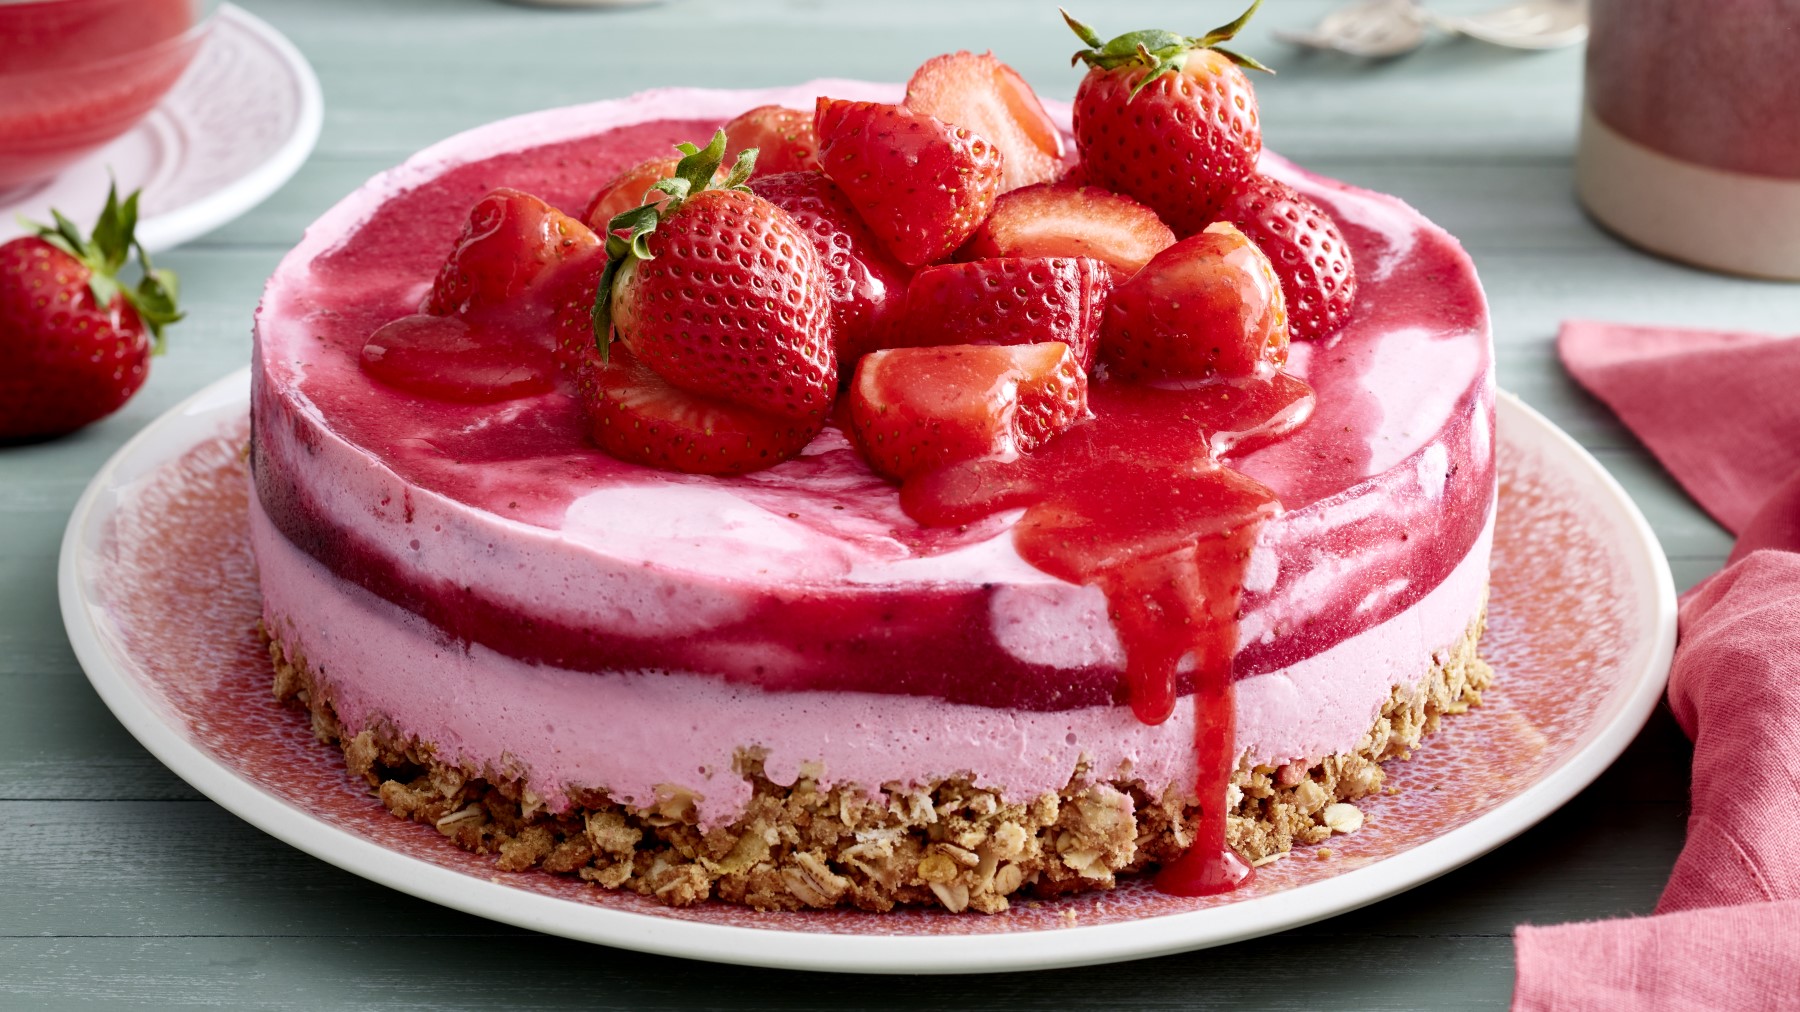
<point>1526,24</point>
<point>1371,28</point>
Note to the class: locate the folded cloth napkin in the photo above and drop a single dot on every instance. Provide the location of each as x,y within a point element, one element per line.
<point>1722,413</point>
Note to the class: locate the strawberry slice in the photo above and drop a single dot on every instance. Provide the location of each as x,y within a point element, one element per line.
<point>783,138</point>
<point>867,285</point>
<point>446,358</point>
<point>991,100</point>
<point>636,415</point>
<point>1010,300</point>
<point>1208,306</point>
<point>1071,221</point>
<point>510,241</point>
<point>1318,276</point>
<point>922,185</point>
<point>915,410</point>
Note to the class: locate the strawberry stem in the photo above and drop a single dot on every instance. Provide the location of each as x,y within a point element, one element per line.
<point>697,172</point>
<point>1162,52</point>
<point>107,252</point>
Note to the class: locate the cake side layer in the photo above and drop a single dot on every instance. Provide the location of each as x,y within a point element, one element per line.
<point>504,527</point>
<point>535,723</point>
<point>943,842</point>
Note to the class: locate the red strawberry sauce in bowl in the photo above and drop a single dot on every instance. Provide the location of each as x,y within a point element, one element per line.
<point>511,535</point>
<point>74,74</point>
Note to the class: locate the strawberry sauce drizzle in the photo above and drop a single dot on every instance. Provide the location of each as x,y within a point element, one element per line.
<point>1137,502</point>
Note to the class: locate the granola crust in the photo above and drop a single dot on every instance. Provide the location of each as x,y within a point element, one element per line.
<point>948,843</point>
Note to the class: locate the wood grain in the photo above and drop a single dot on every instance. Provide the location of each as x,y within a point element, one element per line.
<point>122,885</point>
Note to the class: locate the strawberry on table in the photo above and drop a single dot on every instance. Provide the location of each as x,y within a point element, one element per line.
<point>919,409</point>
<point>1071,221</point>
<point>783,139</point>
<point>921,184</point>
<point>1008,300</point>
<point>1317,273</point>
<point>991,100</point>
<point>77,342</point>
<point>1208,306</point>
<point>1167,119</point>
<point>721,293</point>
<point>867,285</point>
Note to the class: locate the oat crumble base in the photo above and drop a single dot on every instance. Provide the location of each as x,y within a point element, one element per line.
<point>948,844</point>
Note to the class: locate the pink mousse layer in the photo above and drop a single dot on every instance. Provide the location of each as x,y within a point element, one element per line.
<point>505,529</point>
<point>633,734</point>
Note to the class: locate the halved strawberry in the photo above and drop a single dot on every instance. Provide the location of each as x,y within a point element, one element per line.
<point>1317,274</point>
<point>510,241</point>
<point>1208,306</point>
<point>636,415</point>
<point>922,185</point>
<point>991,100</point>
<point>1071,221</point>
<point>867,285</point>
<point>918,409</point>
<point>721,293</point>
<point>783,138</point>
<point>1008,300</point>
<point>627,190</point>
<point>448,358</point>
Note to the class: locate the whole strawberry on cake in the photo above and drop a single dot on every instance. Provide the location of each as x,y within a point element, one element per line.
<point>912,497</point>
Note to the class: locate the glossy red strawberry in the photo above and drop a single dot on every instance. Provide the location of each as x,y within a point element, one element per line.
<point>1208,306</point>
<point>991,100</point>
<point>76,342</point>
<point>636,415</point>
<point>488,327</point>
<point>510,242</point>
<point>721,293</point>
<point>1168,120</point>
<point>868,286</point>
<point>922,185</point>
<point>918,409</point>
<point>783,139</point>
<point>1318,275</point>
<point>627,190</point>
<point>1071,221</point>
<point>1009,300</point>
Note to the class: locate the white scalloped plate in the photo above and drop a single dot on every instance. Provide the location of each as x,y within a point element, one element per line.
<point>160,600</point>
<point>236,127</point>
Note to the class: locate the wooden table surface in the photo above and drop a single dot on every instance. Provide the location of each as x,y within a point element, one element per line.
<point>120,884</point>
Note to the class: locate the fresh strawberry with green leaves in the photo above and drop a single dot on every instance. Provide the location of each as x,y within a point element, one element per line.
<point>1008,300</point>
<point>922,185</point>
<point>991,100</point>
<point>76,339</point>
<point>1318,275</point>
<point>1168,120</point>
<point>721,292</point>
<point>637,416</point>
<point>915,410</point>
<point>1208,307</point>
<point>783,139</point>
<point>1055,220</point>
<point>868,286</point>
<point>510,242</point>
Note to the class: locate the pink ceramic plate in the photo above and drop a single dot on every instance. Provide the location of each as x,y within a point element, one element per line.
<point>160,599</point>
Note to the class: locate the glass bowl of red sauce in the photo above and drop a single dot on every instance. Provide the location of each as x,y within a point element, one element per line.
<point>75,74</point>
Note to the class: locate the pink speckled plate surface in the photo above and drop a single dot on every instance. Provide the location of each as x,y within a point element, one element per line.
<point>160,599</point>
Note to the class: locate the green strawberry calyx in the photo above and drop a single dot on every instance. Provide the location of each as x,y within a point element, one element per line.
<point>1161,51</point>
<point>105,254</point>
<point>695,173</point>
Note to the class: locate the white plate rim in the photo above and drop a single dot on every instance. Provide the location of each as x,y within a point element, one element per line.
<point>200,415</point>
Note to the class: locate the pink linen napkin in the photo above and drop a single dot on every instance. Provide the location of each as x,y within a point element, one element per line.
<point>1722,413</point>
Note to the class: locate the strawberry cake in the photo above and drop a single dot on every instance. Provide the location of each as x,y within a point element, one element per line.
<point>947,503</point>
